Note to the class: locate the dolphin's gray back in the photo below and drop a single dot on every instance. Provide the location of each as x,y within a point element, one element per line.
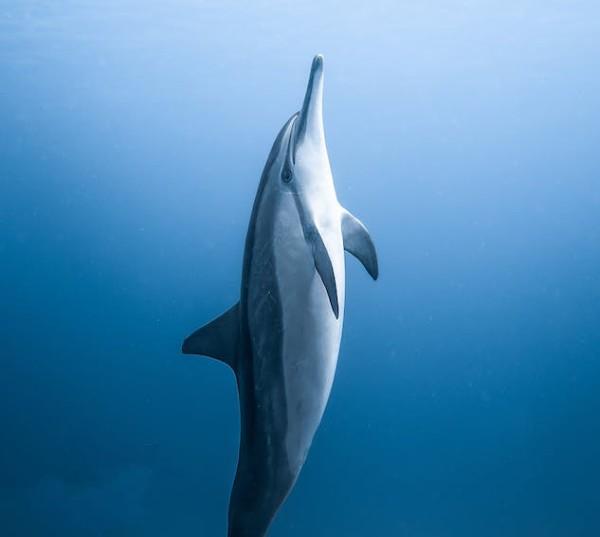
<point>263,471</point>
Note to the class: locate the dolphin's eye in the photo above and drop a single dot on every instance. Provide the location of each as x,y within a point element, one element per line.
<point>286,175</point>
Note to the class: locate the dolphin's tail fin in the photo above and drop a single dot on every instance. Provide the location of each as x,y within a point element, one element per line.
<point>217,339</point>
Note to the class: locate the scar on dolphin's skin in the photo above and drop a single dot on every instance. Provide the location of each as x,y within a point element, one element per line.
<point>282,338</point>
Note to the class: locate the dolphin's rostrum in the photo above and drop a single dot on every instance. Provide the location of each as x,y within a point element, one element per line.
<point>282,338</point>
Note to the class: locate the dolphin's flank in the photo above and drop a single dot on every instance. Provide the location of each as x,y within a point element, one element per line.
<point>282,338</point>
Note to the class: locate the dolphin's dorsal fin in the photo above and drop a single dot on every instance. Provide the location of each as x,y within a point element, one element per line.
<point>217,339</point>
<point>357,242</point>
<point>324,268</point>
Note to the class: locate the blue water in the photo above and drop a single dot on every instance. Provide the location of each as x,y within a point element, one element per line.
<point>463,133</point>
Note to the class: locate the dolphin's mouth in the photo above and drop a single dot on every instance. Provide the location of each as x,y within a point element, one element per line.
<point>308,122</point>
<point>310,116</point>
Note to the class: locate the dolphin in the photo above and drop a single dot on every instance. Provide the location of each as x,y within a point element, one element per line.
<point>282,338</point>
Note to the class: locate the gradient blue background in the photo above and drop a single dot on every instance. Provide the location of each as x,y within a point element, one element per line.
<point>465,135</point>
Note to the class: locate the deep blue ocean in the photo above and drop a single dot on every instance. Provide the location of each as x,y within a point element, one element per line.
<point>465,135</point>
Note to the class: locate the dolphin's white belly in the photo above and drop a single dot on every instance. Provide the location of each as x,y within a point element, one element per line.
<point>311,332</point>
<point>294,332</point>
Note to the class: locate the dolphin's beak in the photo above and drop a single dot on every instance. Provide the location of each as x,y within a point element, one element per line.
<point>310,120</point>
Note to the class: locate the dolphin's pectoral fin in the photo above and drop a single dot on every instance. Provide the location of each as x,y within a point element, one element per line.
<point>217,339</point>
<point>324,268</point>
<point>357,241</point>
